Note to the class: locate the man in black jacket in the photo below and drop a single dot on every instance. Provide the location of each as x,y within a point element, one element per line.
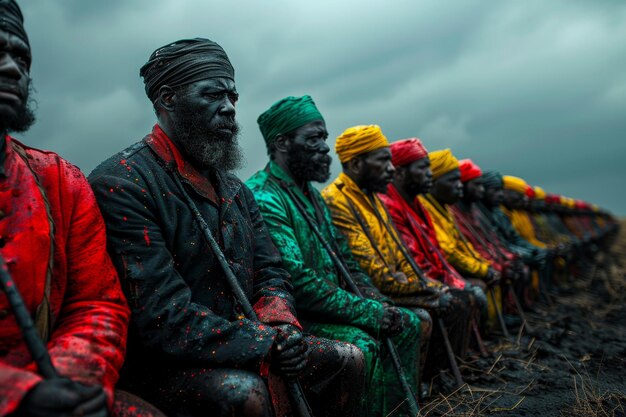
<point>191,349</point>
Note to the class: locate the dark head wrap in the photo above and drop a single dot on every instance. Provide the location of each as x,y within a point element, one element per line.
<point>12,20</point>
<point>492,179</point>
<point>286,115</point>
<point>184,62</point>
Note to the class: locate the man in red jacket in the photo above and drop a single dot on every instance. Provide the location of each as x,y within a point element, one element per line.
<point>52,241</point>
<point>413,177</point>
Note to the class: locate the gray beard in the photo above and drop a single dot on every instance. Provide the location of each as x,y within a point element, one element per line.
<point>209,149</point>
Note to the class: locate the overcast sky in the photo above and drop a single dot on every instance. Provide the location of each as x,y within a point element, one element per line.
<point>535,89</point>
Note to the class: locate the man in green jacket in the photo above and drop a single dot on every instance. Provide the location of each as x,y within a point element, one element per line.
<point>295,134</point>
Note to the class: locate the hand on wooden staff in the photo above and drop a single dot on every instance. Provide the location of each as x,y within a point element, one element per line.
<point>290,351</point>
<point>445,303</point>
<point>493,277</point>
<point>392,322</point>
<point>62,397</point>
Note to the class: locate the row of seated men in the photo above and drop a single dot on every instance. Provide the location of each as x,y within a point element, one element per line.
<point>228,299</point>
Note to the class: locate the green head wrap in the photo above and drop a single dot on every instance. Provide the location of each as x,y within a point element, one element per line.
<point>286,115</point>
<point>492,179</point>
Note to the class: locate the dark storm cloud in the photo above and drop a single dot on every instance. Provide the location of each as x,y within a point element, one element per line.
<point>535,89</point>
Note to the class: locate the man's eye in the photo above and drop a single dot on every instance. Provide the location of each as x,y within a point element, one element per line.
<point>22,61</point>
<point>233,97</point>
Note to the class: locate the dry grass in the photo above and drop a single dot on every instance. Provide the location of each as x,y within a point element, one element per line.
<point>593,402</point>
<point>509,395</point>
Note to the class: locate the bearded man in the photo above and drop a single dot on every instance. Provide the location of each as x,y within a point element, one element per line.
<point>295,213</point>
<point>468,221</point>
<point>376,245</point>
<point>181,229</point>
<point>52,243</point>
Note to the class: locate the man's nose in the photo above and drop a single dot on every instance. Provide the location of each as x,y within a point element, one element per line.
<point>227,107</point>
<point>9,68</point>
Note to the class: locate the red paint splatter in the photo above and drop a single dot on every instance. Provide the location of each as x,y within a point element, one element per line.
<point>145,235</point>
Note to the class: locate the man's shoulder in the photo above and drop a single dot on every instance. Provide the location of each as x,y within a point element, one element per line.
<point>41,159</point>
<point>124,162</point>
<point>333,189</point>
<point>51,168</point>
<point>258,182</point>
<point>267,193</point>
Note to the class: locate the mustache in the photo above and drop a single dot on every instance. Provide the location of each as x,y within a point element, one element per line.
<point>11,87</point>
<point>228,124</point>
<point>325,159</point>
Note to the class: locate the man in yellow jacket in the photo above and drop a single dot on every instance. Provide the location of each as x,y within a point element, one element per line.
<point>515,198</point>
<point>361,216</point>
<point>447,189</point>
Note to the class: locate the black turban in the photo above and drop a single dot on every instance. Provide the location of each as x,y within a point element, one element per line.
<point>11,20</point>
<point>492,179</point>
<point>184,62</point>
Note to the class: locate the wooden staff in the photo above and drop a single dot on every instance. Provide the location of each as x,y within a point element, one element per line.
<point>347,278</point>
<point>293,386</point>
<point>35,345</point>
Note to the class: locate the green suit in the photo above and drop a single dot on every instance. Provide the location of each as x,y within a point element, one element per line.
<point>324,307</point>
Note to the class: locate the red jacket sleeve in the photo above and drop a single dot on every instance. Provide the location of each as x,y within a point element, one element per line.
<point>89,338</point>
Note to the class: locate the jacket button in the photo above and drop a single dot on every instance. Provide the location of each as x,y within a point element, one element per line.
<point>2,215</point>
<point>4,314</point>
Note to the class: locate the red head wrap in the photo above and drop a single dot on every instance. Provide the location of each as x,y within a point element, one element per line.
<point>469,170</point>
<point>553,199</point>
<point>582,205</point>
<point>530,192</point>
<point>406,151</point>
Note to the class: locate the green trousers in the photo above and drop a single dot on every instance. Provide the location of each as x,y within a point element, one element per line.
<point>384,391</point>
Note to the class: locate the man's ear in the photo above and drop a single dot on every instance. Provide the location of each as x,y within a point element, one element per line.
<point>400,173</point>
<point>281,143</point>
<point>355,165</point>
<point>166,98</point>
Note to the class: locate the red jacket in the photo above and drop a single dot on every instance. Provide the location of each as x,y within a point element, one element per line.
<point>487,245</point>
<point>89,316</point>
<point>416,228</point>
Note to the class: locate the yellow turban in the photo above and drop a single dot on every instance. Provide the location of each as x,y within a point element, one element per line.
<point>442,162</point>
<point>540,193</point>
<point>514,183</point>
<point>358,140</point>
<point>568,202</point>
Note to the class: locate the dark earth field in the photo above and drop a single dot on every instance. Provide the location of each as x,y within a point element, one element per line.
<point>572,362</point>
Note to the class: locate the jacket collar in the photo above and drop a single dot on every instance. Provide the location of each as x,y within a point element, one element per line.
<point>227,185</point>
<point>281,175</point>
<point>4,153</point>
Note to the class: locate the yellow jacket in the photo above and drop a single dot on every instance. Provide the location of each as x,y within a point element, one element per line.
<point>459,252</point>
<point>524,226</point>
<point>381,259</point>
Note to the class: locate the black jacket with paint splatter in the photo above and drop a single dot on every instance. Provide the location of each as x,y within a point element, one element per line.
<point>183,311</point>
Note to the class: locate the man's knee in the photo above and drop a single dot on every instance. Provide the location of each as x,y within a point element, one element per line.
<point>421,319</point>
<point>129,405</point>
<point>243,393</point>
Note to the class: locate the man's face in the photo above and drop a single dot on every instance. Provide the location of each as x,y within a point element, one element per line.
<point>474,190</point>
<point>418,178</point>
<point>376,170</point>
<point>15,61</point>
<point>308,158</point>
<point>513,199</point>
<point>538,205</point>
<point>205,126</point>
<point>494,196</point>
<point>448,188</point>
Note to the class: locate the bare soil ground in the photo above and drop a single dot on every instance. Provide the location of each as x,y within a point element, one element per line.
<point>571,363</point>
